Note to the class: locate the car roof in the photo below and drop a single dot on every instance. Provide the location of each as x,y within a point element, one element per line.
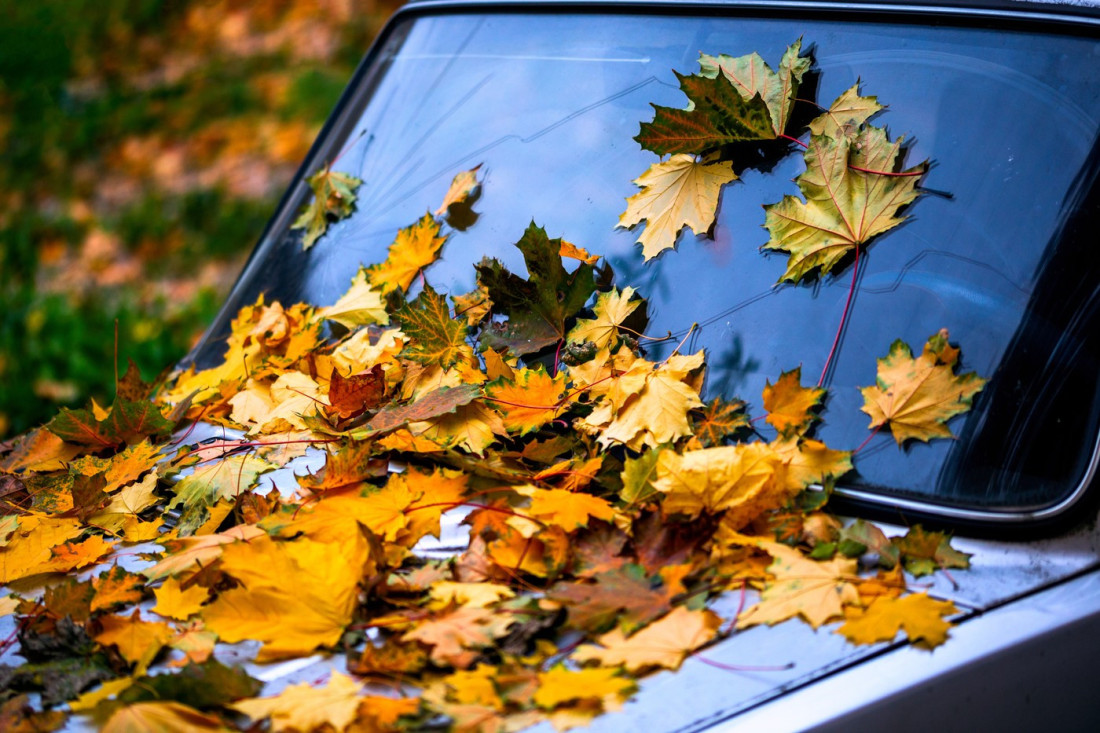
<point>1086,9</point>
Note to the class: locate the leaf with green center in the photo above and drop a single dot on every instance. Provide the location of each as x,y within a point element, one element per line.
<point>333,200</point>
<point>543,301</point>
<point>922,553</point>
<point>626,592</point>
<point>719,115</point>
<point>127,422</point>
<point>844,207</point>
<point>437,338</point>
<point>219,479</point>
<point>750,75</point>
<point>638,477</point>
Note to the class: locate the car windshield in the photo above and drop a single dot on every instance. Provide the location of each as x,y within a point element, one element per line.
<point>999,249</point>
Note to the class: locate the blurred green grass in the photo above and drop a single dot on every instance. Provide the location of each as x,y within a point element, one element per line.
<point>143,145</point>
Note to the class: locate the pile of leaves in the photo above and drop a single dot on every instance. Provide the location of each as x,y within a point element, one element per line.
<point>606,503</point>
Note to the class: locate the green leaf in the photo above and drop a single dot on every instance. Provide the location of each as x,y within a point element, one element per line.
<point>224,478</point>
<point>719,115</point>
<point>128,421</point>
<point>750,75</point>
<point>922,553</point>
<point>539,306</point>
<point>437,338</point>
<point>202,686</point>
<point>638,474</point>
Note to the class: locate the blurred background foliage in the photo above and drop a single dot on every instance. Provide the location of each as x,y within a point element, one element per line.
<point>143,146</point>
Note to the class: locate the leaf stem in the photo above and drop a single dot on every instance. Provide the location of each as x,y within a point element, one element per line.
<point>843,321</point>
<point>903,174</point>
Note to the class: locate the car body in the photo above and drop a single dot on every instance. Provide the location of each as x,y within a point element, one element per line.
<point>456,83</point>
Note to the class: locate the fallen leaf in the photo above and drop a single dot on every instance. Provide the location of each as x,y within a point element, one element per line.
<point>415,247</point>
<point>664,643</point>
<point>920,617</point>
<point>791,406</point>
<point>303,707</point>
<point>676,193</point>
<point>916,397</point>
<point>162,717</point>
<point>333,199</point>
<point>816,591</point>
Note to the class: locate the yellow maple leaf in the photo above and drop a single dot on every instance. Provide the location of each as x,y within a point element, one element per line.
<point>473,427</point>
<point>122,468</point>
<point>479,595</point>
<point>816,591</point>
<point>916,397</point>
<point>920,617</point>
<point>74,555</point>
<point>361,305</point>
<point>810,461</point>
<point>612,308</point>
<point>528,402</point>
<point>648,404</point>
<point>676,193</point>
<point>844,207</point>
<point>162,717</point>
<point>415,247</point>
<point>566,509</point>
<point>790,405</point>
<point>743,480</point>
<point>303,707</point>
<point>559,685</point>
<point>294,596</point>
<point>475,686</point>
<point>664,643</point>
<point>119,517</point>
<point>137,641</point>
<point>173,601</point>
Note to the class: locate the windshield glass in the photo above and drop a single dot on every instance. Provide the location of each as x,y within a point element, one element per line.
<point>999,249</point>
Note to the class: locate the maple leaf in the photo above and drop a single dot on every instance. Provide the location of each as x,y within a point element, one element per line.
<point>39,450</point>
<point>611,310</point>
<point>664,643</point>
<point>811,462</point>
<point>463,185</point>
<point>566,509</point>
<point>626,591</point>
<point>122,468</point>
<point>333,199</point>
<point>30,547</point>
<point>648,404</point>
<point>437,338</point>
<point>790,405</point>
<point>452,635</point>
<point>120,514</point>
<point>173,601</point>
<point>348,466</point>
<point>718,420</point>
<point>479,595</point>
<point>191,553</point>
<point>294,596</point>
<point>303,707</point>
<point>221,478</point>
<point>921,617</point>
<point>475,687</point>
<point>862,537</point>
<point>126,422</point>
<point>436,403</point>
<point>163,717</point>
<point>750,75</point>
<point>816,591</point>
<point>743,480</point>
<point>538,307</point>
<point>361,305</point>
<point>916,397</point>
<point>638,476</point>
<point>137,641</point>
<point>355,394</point>
<point>676,193</point>
<point>846,114</point>
<point>922,553</point>
<point>116,587</point>
<point>529,400</point>
<point>718,115</point>
<point>560,685</point>
<point>415,247</point>
<point>844,207</point>
<point>473,306</point>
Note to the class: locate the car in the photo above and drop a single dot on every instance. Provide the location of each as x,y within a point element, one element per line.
<point>556,113</point>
